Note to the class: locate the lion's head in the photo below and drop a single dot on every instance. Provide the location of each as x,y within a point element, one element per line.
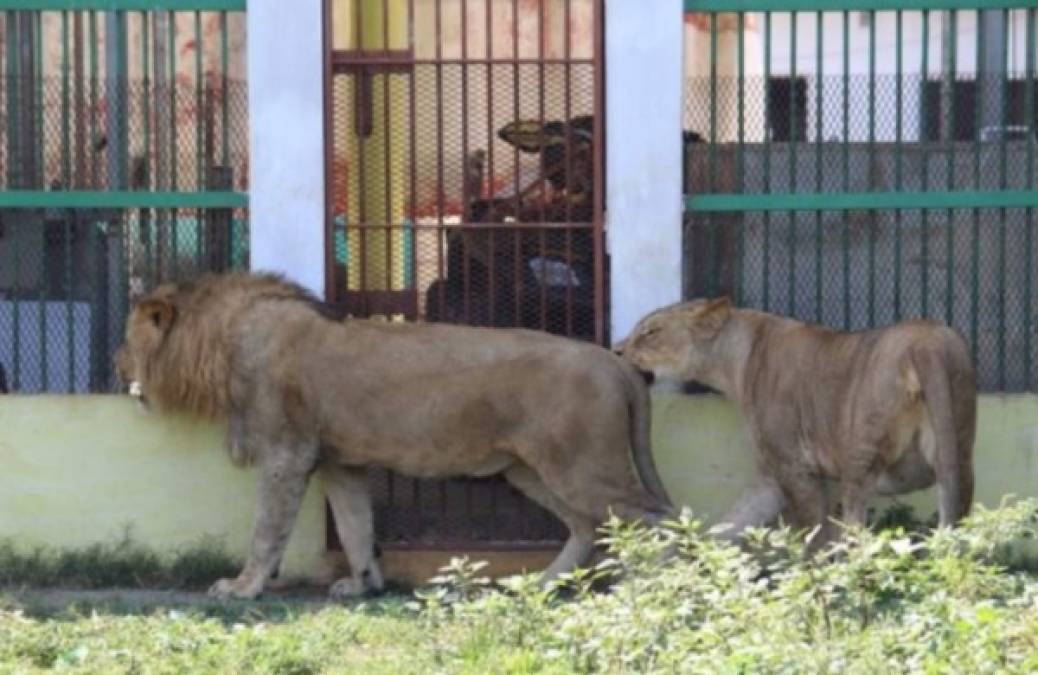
<point>179,339</point>
<point>677,342</point>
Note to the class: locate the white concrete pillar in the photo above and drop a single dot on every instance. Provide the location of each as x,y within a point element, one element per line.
<point>643,42</point>
<point>286,140</point>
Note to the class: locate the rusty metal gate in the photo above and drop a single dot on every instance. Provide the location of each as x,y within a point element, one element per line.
<point>464,161</point>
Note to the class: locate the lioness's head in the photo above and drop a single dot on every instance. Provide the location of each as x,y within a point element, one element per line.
<point>147,327</point>
<point>676,342</point>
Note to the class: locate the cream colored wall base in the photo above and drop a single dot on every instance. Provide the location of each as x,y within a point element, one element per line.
<point>75,470</point>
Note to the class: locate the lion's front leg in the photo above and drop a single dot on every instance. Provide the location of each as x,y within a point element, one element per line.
<point>282,483</point>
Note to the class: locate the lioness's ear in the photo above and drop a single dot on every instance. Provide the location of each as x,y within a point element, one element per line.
<point>714,314</point>
<point>161,313</point>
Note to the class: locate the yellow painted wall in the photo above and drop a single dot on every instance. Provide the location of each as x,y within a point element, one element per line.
<point>78,469</point>
<point>75,470</point>
<point>705,458</point>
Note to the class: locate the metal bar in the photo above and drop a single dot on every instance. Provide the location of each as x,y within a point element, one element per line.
<point>173,164</point>
<point>387,158</point>
<point>1004,87</point>
<point>949,247</point>
<point>199,116</point>
<point>488,17</point>
<point>792,229</point>
<point>331,286</point>
<point>598,173</point>
<point>362,111</point>
<point>846,167</point>
<point>121,199</point>
<point>224,60</point>
<point>871,304</point>
<point>741,173</point>
<point>79,105</point>
<point>843,5</point>
<point>1029,231</point>
<point>819,95</point>
<point>898,151</point>
<point>846,232</point>
<point>767,163</point>
<point>975,230</point>
<point>924,235</point>
<point>712,158</point>
<point>861,201</point>
<point>412,159</point>
<point>145,105</point>
<point>93,41</point>
<point>352,60</point>
<point>568,111</point>
<point>126,5</point>
<point>66,130</point>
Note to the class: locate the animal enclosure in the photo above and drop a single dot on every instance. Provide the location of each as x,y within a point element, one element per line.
<point>123,157</point>
<point>859,167</point>
<point>464,173</point>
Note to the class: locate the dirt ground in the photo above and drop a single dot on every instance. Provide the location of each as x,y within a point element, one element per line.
<point>44,602</point>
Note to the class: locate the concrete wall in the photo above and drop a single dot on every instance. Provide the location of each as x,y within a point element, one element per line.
<point>79,469</point>
<point>286,143</point>
<point>643,163</point>
<point>75,470</point>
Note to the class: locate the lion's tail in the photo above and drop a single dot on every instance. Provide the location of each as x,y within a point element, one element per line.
<point>639,405</point>
<point>954,426</point>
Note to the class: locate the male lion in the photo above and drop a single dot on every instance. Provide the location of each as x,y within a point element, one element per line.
<point>882,411</point>
<point>566,422</point>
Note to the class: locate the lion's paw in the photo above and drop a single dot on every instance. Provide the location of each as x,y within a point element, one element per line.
<point>224,589</point>
<point>346,588</point>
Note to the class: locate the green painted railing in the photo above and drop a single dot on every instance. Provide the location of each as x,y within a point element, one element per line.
<point>875,163</point>
<point>123,164</point>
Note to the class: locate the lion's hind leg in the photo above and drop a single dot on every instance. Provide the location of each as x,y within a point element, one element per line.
<point>581,542</point>
<point>350,499</point>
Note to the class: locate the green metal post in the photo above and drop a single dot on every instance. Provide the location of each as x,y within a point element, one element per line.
<point>712,221</point>
<point>791,239</point>
<point>898,149</point>
<point>1004,68</point>
<point>224,50</point>
<point>846,171</point>
<point>741,187</point>
<point>924,235</point>
<point>199,139</point>
<point>819,95</point>
<point>949,252</point>
<point>767,164</point>
<point>1029,94</point>
<point>872,159</point>
<point>975,234</point>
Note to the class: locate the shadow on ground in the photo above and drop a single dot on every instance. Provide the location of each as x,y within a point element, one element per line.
<point>272,607</point>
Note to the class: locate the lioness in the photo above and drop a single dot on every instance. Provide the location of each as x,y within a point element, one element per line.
<point>882,411</point>
<point>566,422</point>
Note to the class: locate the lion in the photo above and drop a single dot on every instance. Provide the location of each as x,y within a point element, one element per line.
<point>566,422</point>
<point>884,411</point>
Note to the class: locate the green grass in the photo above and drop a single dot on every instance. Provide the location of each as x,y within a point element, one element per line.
<point>891,601</point>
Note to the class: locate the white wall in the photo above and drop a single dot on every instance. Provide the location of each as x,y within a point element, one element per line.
<point>286,140</point>
<point>643,160</point>
<point>806,63</point>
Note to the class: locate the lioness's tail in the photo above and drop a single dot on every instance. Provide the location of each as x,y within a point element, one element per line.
<point>954,418</point>
<point>639,405</point>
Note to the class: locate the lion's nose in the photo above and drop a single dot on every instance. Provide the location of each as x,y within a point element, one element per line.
<point>619,347</point>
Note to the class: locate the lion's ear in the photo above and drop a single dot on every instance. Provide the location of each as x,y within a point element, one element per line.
<point>161,313</point>
<point>714,314</point>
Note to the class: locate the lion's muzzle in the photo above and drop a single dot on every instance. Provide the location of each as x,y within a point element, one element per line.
<point>136,392</point>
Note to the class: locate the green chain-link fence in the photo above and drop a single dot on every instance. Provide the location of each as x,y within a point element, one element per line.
<point>886,171</point>
<point>120,168</point>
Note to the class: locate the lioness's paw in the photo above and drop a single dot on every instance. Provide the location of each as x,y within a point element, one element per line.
<point>346,588</point>
<point>225,589</point>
